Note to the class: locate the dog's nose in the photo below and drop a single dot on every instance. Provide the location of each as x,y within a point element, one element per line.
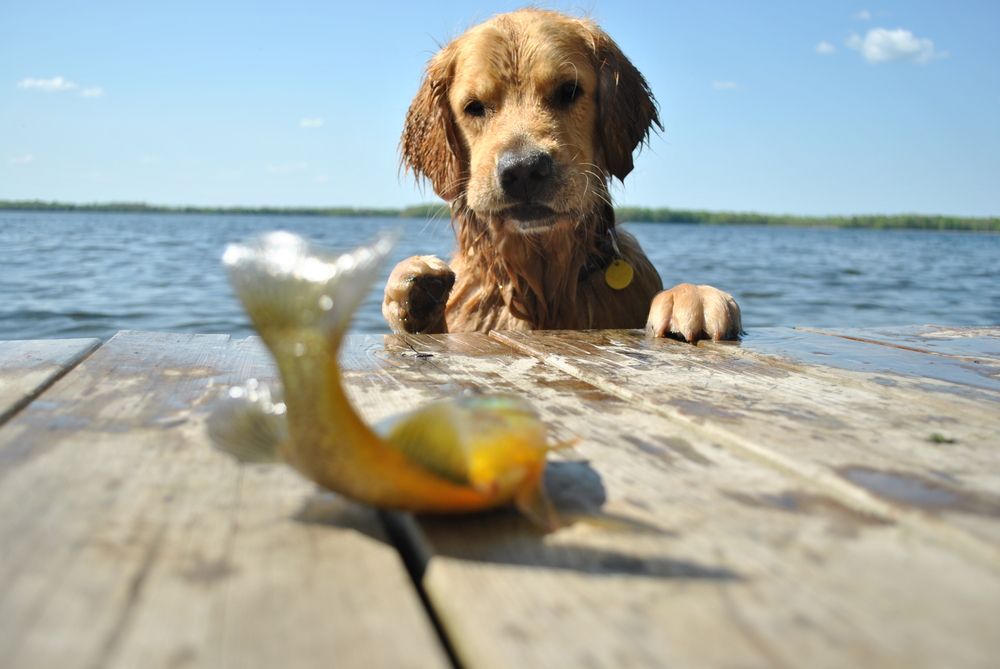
<point>522,175</point>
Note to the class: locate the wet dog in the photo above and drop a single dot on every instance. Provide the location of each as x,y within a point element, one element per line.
<point>520,124</point>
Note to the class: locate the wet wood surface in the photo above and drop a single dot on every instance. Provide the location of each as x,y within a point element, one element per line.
<point>127,541</point>
<point>798,499</point>
<point>29,367</point>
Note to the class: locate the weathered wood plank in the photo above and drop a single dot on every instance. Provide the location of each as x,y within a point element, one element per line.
<point>879,363</point>
<point>978,345</point>
<point>125,540</point>
<point>869,449</point>
<point>683,553</point>
<point>27,368</point>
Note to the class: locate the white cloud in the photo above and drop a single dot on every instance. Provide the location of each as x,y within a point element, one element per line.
<point>285,169</point>
<point>883,46</point>
<point>21,160</point>
<point>724,85</point>
<point>146,160</point>
<point>48,85</point>
<point>825,48</point>
<point>60,84</point>
<point>321,178</point>
<point>863,15</point>
<point>310,122</point>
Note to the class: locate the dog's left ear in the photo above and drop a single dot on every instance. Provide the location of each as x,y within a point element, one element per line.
<point>626,106</point>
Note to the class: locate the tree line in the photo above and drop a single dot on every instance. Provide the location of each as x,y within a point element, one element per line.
<point>626,214</point>
<point>417,211</point>
<point>900,221</point>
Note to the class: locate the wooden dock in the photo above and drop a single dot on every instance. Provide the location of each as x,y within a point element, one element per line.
<point>800,499</point>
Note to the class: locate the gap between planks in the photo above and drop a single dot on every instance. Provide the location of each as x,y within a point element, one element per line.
<point>136,544</point>
<point>64,365</point>
<point>593,597</point>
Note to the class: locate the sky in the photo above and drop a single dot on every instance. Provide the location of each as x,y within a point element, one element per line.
<point>807,108</point>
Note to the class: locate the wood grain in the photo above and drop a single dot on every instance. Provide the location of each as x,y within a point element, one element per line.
<point>27,368</point>
<point>678,552</point>
<point>126,540</point>
<point>877,367</point>
<point>839,436</point>
<point>724,506</point>
<point>978,345</point>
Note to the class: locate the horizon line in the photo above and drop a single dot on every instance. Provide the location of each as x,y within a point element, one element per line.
<point>430,207</point>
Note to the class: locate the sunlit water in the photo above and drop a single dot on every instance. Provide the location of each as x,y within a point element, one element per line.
<point>90,275</point>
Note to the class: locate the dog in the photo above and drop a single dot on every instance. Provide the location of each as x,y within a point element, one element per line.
<point>520,124</point>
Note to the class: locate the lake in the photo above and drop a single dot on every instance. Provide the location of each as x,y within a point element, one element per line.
<point>68,274</point>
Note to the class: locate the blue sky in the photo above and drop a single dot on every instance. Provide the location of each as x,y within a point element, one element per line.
<point>776,107</point>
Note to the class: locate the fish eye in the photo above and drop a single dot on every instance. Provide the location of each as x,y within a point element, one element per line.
<point>568,93</point>
<point>475,108</point>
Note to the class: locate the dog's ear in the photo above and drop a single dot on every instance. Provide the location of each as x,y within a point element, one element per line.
<point>429,146</point>
<point>626,106</point>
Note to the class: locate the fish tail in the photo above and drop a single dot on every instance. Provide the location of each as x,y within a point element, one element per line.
<point>250,423</point>
<point>293,290</point>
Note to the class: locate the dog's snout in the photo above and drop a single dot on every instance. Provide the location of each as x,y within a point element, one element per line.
<point>523,175</point>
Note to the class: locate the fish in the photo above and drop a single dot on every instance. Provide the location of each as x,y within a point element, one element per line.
<point>469,453</point>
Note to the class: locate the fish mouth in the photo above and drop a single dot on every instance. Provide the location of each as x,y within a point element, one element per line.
<point>528,216</point>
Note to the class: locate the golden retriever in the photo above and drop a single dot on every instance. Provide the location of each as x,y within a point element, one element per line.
<point>520,124</point>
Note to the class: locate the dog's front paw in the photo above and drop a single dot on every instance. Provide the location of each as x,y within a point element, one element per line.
<point>416,295</point>
<point>694,312</point>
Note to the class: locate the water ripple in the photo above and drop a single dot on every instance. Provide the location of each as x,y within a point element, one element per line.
<point>92,274</point>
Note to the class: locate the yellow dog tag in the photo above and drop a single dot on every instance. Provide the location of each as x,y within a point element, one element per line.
<point>618,275</point>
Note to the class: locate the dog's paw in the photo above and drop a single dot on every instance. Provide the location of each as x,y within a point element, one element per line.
<point>416,295</point>
<point>694,312</point>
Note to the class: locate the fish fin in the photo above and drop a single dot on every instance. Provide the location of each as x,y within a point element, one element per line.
<point>565,444</point>
<point>250,423</point>
<point>430,437</point>
<point>533,501</point>
<point>289,286</point>
<point>471,439</point>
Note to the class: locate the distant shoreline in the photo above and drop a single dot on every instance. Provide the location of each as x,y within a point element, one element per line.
<point>626,214</point>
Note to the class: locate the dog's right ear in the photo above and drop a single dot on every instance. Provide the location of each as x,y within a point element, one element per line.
<point>429,146</point>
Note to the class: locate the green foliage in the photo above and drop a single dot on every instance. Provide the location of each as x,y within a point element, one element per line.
<point>422,211</point>
<point>435,211</point>
<point>904,221</point>
<point>627,214</point>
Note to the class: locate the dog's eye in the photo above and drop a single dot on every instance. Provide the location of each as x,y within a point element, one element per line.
<point>475,108</point>
<point>568,94</point>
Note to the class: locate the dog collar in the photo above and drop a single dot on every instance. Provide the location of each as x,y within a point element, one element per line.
<point>618,273</point>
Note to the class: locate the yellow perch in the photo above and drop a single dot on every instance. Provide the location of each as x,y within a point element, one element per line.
<point>474,452</point>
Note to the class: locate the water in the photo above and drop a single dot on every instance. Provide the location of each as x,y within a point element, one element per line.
<point>68,275</point>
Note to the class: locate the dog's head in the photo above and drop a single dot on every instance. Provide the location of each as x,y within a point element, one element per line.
<point>526,118</point>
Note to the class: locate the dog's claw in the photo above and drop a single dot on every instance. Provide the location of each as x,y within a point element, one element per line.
<point>694,312</point>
